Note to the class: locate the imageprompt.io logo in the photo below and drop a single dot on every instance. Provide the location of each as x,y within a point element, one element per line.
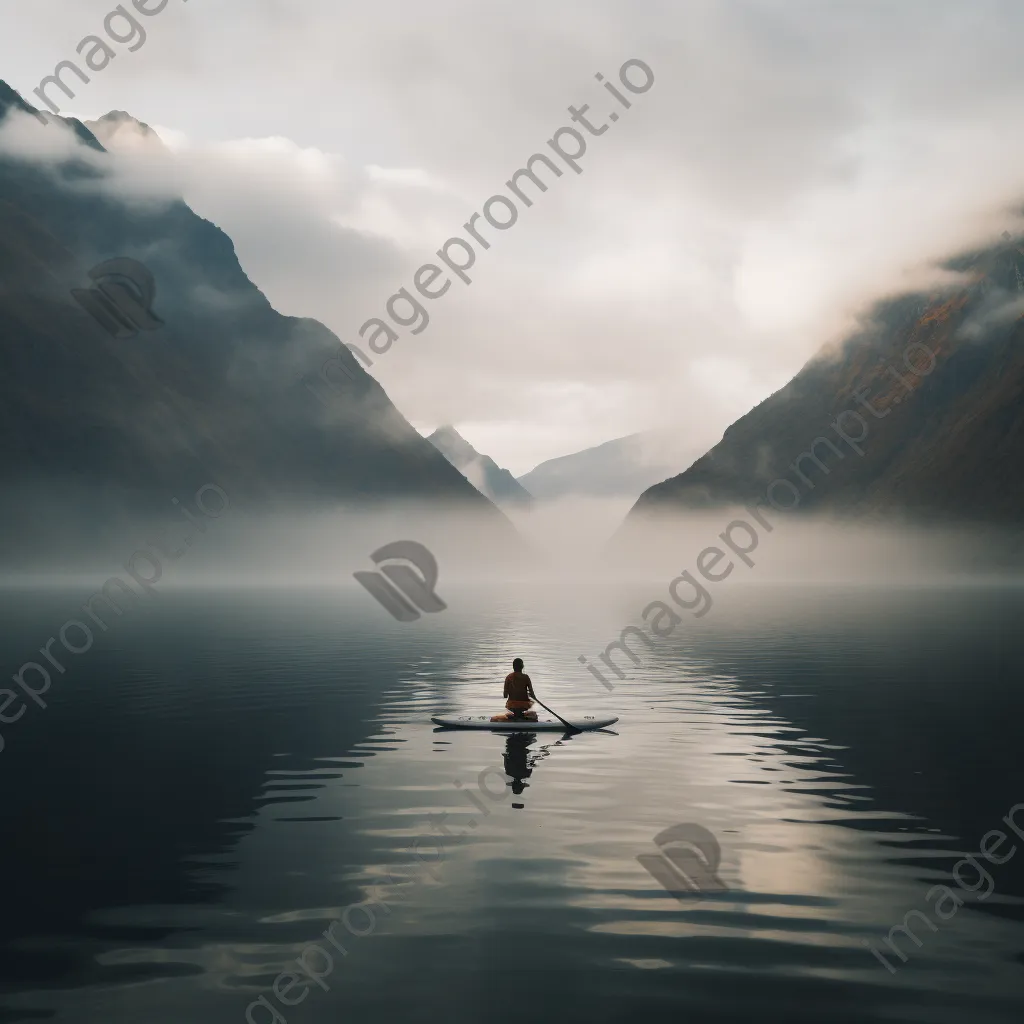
<point>687,866</point>
<point>399,590</point>
<point>122,301</point>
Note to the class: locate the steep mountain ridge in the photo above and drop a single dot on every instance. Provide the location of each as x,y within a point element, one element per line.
<point>119,425</point>
<point>943,444</point>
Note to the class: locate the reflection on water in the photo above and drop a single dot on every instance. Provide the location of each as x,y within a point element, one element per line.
<point>234,775</point>
<point>519,764</point>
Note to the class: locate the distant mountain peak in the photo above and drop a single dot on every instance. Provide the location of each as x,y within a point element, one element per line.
<point>450,443</point>
<point>620,468</point>
<point>121,117</point>
<point>118,129</point>
<point>480,470</point>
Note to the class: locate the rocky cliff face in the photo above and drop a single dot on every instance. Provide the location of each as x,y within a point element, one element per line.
<point>223,388</point>
<point>943,378</point>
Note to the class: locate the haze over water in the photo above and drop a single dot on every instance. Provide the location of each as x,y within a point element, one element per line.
<point>674,348</point>
<point>221,776</point>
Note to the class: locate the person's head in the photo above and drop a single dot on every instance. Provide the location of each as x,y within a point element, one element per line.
<point>517,665</point>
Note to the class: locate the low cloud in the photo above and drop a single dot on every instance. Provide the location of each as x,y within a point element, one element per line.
<point>1001,310</point>
<point>793,163</point>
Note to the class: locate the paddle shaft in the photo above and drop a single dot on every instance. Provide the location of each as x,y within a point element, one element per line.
<point>568,725</point>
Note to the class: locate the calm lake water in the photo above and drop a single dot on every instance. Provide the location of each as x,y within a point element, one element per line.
<point>226,772</point>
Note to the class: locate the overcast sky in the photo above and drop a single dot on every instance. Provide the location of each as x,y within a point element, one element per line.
<point>792,161</point>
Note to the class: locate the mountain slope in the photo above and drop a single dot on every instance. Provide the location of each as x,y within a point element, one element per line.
<point>624,467</point>
<point>480,470</point>
<point>950,447</point>
<point>124,423</point>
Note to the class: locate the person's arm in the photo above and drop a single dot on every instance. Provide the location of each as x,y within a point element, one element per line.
<point>504,692</point>
<point>529,688</point>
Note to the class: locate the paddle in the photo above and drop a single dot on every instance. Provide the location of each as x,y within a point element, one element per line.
<point>568,725</point>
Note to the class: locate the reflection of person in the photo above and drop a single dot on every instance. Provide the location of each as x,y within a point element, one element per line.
<point>517,767</point>
<point>518,691</point>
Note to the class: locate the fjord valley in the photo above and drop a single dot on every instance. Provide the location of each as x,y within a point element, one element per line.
<point>512,510</point>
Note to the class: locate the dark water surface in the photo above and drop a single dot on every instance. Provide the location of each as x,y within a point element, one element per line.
<point>223,776</point>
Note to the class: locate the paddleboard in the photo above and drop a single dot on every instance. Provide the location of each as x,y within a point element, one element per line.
<point>543,724</point>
